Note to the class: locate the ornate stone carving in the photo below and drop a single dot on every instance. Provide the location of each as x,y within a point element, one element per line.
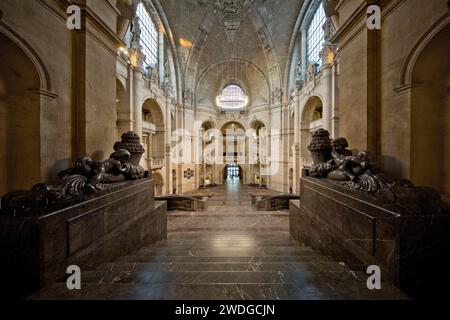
<point>277,96</point>
<point>327,54</point>
<point>233,7</point>
<point>231,12</point>
<point>86,177</point>
<point>137,58</point>
<point>153,74</point>
<point>167,87</point>
<point>298,73</point>
<point>312,71</point>
<point>188,97</point>
<point>136,33</point>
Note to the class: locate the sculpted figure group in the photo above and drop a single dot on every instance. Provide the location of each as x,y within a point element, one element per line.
<point>335,162</point>
<point>87,177</point>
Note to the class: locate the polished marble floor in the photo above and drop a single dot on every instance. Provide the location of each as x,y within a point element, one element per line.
<point>227,252</point>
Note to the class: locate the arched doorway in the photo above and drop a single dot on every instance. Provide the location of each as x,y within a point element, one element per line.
<point>311,120</point>
<point>234,147</point>
<point>430,115</point>
<point>124,120</point>
<point>20,145</point>
<point>232,172</point>
<point>234,142</point>
<point>153,135</point>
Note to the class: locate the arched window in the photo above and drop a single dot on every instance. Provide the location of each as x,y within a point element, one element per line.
<point>149,36</point>
<point>232,98</point>
<point>315,36</point>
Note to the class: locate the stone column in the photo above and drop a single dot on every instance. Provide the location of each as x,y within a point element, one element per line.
<point>138,85</point>
<point>327,96</point>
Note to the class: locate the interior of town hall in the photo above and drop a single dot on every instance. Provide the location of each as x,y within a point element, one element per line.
<point>224,149</point>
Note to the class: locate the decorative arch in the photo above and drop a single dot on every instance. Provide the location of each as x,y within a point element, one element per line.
<point>124,120</point>
<point>243,62</point>
<point>153,134</point>
<point>150,104</point>
<point>44,75</point>
<point>307,125</point>
<point>290,63</point>
<point>310,108</point>
<point>255,121</point>
<point>430,114</point>
<point>159,16</point>
<point>21,88</point>
<point>210,124</point>
<point>240,123</point>
<point>408,67</point>
<point>304,18</point>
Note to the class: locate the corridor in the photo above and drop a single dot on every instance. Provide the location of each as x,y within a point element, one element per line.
<point>227,252</point>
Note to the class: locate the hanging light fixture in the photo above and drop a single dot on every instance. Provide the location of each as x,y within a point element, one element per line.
<point>232,98</point>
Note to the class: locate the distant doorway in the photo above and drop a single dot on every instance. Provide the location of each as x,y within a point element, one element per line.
<point>232,172</point>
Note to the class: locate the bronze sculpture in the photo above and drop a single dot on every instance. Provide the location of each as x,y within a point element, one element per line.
<point>357,172</point>
<point>85,178</point>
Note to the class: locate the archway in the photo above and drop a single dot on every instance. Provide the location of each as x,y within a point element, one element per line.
<point>430,115</point>
<point>19,119</point>
<point>311,120</point>
<point>153,134</point>
<point>124,120</point>
<point>159,183</point>
<point>234,142</point>
<point>233,171</point>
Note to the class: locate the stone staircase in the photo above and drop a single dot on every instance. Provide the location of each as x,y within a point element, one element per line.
<point>227,252</point>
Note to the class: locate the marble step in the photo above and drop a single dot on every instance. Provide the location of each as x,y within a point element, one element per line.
<point>229,203</point>
<point>300,278</point>
<point>227,213</point>
<point>219,266</point>
<point>128,291</point>
<point>200,243</point>
<point>254,236</point>
<point>226,251</point>
<point>220,258</point>
<point>227,224</point>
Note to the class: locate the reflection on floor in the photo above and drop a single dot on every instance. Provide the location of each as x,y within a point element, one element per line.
<point>228,252</point>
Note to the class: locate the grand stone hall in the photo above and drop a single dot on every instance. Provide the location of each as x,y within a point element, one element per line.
<point>224,149</point>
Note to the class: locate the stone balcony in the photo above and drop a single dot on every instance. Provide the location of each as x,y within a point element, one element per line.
<point>158,163</point>
<point>148,127</point>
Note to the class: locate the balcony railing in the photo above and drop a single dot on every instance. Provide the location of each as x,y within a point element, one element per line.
<point>147,126</point>
<point>158,163</point>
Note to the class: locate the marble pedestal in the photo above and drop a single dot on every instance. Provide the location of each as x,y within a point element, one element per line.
<point>36,251</point>
<point>412,250</point>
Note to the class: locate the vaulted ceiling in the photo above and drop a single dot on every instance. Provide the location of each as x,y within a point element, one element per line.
<point>221,41</point>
